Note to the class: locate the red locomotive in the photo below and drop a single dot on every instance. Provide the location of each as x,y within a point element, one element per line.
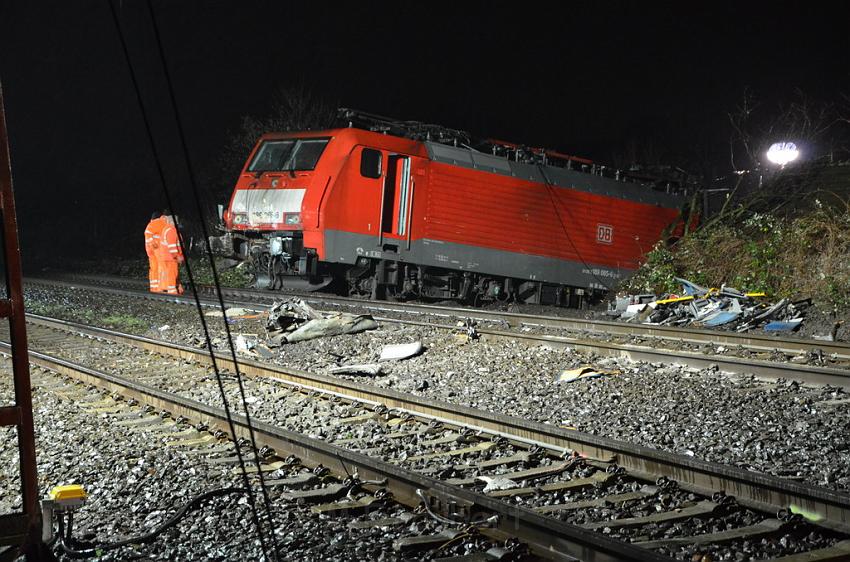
<point>411,210</point>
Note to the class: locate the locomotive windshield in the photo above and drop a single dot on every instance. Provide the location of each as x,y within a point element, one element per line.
<point>288,155</point>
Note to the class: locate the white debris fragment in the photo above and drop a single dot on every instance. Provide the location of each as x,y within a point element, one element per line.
<point>231,313</point>
<point>395,352</point>
<point>243,344</point>
<point>497,483</point>
<point>365,369</point>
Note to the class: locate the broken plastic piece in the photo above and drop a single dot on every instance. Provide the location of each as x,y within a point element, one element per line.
<point>788,326</point>
<point>675,299</point>
<point>366,369</point>
<point>497,483</point>
<point>585,372</point>
<point>394,352</point>
<point>691,288</point>
<point>720,318</point>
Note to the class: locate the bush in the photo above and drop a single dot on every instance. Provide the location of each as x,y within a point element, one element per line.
<point>785,257</point>
<point>237,277</point>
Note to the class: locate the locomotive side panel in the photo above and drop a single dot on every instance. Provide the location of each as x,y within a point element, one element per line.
<point>472,220</point>
<point>352,203</point>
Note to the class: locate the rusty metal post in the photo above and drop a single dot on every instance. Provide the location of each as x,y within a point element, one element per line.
<point>22,528</point>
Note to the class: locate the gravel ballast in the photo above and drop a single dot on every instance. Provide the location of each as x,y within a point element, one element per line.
<point>780,428</point>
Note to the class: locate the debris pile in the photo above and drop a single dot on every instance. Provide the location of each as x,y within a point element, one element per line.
<point>294,320</point>
<point>725,307</point>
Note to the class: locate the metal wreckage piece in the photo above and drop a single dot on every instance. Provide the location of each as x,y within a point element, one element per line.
<point>725,307</point>
<point>294,320</point>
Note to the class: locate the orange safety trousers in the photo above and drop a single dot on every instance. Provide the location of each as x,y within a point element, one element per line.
<point>153,233</point>
<point>168,271</point>
<point>169,255</point>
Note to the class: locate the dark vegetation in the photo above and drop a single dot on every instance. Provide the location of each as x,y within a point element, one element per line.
<point>784,231</point>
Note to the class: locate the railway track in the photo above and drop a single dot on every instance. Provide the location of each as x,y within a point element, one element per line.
<point>364,506</point>
<point>767,357</point>
<point>549,486</point>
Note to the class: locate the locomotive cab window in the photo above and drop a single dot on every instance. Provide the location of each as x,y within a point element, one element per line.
<point>370,163</point>
<point>288,155</point>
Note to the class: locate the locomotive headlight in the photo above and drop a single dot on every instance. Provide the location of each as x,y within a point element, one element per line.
<point>292,218</point>
<point>240,219</point>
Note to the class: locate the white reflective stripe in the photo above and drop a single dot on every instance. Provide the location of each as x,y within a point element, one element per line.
<point>156,235</point>
<point>267,206</point>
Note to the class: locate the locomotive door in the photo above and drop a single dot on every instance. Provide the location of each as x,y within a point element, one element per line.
<point>396,203</point>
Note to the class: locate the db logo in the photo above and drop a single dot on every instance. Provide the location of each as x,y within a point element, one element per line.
<point>604,234</point>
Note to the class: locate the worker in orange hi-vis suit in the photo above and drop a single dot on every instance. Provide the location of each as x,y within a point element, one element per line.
<point>169,255</point>
<point>153,232</point>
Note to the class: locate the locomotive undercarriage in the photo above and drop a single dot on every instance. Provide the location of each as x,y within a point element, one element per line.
<point>386,279</point>
<point>276,261</point>
<point>279,260</point>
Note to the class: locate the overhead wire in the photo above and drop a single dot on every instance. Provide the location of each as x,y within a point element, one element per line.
<point>549,190</point>
<point>208,251</point>
<point>169,199</point>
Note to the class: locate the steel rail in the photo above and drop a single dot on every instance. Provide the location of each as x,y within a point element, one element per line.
<point>771,370</point>
<point>548,537</point>
<point>754,341</point>
<point>759,491</point>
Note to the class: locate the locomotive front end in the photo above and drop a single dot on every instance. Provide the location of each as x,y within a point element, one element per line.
<point>276,195</point>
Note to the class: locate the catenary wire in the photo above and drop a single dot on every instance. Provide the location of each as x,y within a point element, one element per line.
<point>208,251</point>
<point>169,200</point>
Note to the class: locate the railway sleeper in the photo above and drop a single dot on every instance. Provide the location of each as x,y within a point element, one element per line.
<point>604,501</point>
<point>349,507</point>
<point>835,553</point>
<point>764,528</point>
<point>528,474</point>
<point>702,508</point>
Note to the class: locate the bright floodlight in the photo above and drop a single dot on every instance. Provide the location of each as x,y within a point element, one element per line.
<point>782,153</point>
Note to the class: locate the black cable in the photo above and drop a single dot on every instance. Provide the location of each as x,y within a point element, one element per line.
<point>200,211</point>
<point>549,189</point>
<point>161,174</point>
<point>147,537</point>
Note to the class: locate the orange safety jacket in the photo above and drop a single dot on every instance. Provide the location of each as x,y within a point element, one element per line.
<point>169,245</point>
<point>153,234</point>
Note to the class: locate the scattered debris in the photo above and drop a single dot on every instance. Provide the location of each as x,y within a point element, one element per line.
<point>467,331</point>
<point>496,483</point>
<point>294,320</point>
<point>243,344</point>
<point>832,335</point>
<point>778,326</point>
<point>232,313</point>
<point>395,352</point>
<point>365,369</point>
<point>164,328</point>
<point>699,306</point>
<point>586,372</point>
<point>334,325</point>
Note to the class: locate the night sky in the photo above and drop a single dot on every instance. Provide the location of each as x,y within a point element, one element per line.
<point>587,81</point>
